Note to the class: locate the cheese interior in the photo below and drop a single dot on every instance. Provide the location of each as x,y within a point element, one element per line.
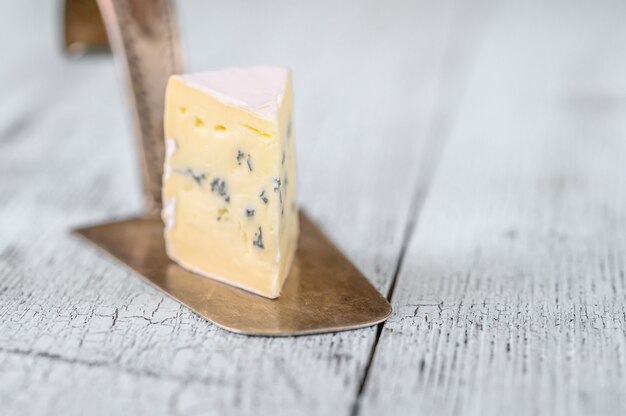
<point>229,180</point>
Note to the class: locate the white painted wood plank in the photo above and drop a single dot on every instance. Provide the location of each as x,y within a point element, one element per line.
<point>512,295</point>
<point>30,47</point>
<point>78,333</point>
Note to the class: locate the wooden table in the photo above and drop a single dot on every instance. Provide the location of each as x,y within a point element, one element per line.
<point>470,159</point>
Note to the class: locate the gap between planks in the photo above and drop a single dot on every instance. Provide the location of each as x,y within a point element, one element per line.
<point>468,26</point>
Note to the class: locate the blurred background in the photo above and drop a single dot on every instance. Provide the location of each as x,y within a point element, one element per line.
<point>371,83</point>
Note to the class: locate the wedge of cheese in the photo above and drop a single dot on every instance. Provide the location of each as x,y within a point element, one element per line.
<point>229,183</point>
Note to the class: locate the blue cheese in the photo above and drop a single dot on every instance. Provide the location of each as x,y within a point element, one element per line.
<point>229,210</point>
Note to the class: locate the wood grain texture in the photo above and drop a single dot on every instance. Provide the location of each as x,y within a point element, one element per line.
<point>79,334</point>
<point>512,296</point>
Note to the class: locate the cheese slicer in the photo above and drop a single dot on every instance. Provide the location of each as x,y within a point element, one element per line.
<point>325,292</point>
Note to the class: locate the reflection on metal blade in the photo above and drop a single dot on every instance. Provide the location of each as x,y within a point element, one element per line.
<point>324,292</point>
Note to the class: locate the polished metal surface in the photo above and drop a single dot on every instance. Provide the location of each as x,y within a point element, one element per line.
<point>144,40</point>
<point>83,30</point>
<point>323,293</point>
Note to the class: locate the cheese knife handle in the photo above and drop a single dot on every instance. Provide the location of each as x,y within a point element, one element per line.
<point>144,39</point>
